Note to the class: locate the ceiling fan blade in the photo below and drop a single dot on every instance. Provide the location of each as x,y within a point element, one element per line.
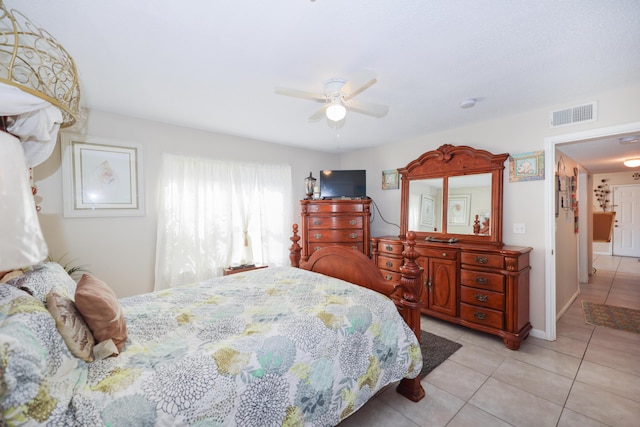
<point>301,94</point>
<point>318,115</point>
<point>359,82</point>
<point>368,108</point>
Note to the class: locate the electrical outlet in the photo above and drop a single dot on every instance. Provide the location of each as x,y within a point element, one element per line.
<point>519,228</point>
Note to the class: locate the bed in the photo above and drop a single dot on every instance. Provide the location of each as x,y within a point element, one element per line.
<point>269,347</point>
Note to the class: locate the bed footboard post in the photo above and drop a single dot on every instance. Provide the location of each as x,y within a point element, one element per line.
<point>412,294</point>
<point>295,249</point>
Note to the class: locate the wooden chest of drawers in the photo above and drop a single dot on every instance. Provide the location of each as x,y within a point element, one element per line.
<point>482,287</point>
<point>335,222</point>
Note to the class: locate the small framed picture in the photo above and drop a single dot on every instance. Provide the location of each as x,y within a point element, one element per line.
<point>426,211</point>
<point>101,177</point>
<point>390,180</point>
<point>458,212</point>
<point>526,166</point>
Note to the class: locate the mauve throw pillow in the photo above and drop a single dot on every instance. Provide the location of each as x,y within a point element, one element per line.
<point>101,310</point>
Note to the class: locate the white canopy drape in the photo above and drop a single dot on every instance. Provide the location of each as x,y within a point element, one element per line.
<point>32,130</point>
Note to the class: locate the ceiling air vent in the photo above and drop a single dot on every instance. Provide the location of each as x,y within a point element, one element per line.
<point>579,114</point>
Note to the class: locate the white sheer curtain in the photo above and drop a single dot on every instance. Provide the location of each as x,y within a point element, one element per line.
<point>216,213</point>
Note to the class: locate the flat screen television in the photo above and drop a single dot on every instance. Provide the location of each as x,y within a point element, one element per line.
<point>348,184</point>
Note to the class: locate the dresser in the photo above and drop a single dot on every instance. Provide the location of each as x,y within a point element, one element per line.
<point>482,287</point>
<point>342,222</point>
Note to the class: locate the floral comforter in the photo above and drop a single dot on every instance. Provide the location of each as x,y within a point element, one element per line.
<point>270,347</point>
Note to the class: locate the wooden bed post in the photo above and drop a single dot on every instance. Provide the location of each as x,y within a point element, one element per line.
<point>295,249</point>
<point>410,303</point>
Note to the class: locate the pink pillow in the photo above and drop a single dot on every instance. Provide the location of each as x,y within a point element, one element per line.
<point>101,310</point>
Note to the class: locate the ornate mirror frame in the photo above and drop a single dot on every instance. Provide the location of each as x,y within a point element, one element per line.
<point>450,161</point>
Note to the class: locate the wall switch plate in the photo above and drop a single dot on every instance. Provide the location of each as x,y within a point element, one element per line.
<point>519,228</point>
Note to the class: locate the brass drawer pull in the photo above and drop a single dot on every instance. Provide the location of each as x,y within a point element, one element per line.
<point>353,235</point>
<point>482,280</point>
<point>388,277</point>
<point>481,298</point>
<point>479,316</point>
<point>354,247</point>
<point>444,254</point>
<point>317,222</point>
<point>353,222</point>
<point>389,248</point>
<point>389,264</point>
<point>317,248</point>
<point>317,236</point>
<point>482,260</point>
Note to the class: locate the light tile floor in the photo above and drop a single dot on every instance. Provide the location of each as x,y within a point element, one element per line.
<point>589,376</point>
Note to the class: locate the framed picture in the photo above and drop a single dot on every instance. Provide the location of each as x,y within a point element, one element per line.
<point>390,180</point>
<point>458,209</point>
<point>426,211</point>
<point>526,166</point>
<point>101,177</point>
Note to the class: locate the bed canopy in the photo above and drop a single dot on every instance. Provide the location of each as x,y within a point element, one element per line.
<point>39,94</point>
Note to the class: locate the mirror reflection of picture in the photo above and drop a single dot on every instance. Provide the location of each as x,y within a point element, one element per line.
<point>426,211</point>
<point>458,210</point>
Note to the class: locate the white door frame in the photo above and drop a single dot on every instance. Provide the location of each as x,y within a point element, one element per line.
<point>550,213</point>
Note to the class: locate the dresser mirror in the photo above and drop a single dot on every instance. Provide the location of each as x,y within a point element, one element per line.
<point>453,194</point>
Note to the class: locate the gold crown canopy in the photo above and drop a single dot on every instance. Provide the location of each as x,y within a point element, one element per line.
<point>33,61</point>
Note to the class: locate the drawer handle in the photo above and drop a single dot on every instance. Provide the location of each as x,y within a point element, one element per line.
<point>353,222</point>
<point>482,260</point>
<point>481,298</point>
<point>479,316</point>
<point>389,248</point>
<point>353,235</point>
<point>482,280</point>
<point>354,247</point>
<point>317,222</point>
<point>389,264</point>
<point>317,248</point>
<point>444,254</point>
<point>388,277</point>
<point>317,236</point>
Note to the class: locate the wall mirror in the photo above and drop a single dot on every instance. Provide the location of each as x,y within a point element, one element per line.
<point>453,194</point>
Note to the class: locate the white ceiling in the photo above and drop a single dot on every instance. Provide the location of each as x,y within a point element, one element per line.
<point>214,65</point>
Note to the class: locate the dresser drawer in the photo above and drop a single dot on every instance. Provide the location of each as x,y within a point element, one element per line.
<point>482,298</point>
<point>483,260</point>
<point>334,207</point>
<point>314,246</point>
<point>388,263</point>
<point>395,248</point>
<point>437,253</point>
<point>482,316</point>
<point>345,235</point>
<point>391,276</point>
<point>336,222</point>
<point>482,280</point>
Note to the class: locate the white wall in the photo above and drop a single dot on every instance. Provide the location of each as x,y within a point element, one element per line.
<point>566,247</point>
<point>523,201</point>
<point>121,251</point>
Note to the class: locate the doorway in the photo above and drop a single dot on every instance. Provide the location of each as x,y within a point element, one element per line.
<point>549,195</point>
<point>626,229</point>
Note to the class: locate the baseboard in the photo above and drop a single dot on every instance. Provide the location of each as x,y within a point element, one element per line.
<point>567,305</point>
<point>537,333</point>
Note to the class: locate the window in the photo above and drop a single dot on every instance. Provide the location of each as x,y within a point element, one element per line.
<point>216,213</point>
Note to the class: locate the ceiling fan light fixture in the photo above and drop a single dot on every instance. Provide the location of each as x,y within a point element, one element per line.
<point>632,163</point>
<point>336,111</point>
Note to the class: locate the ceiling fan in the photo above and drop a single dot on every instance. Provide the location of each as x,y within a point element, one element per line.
<point>338,97</point>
